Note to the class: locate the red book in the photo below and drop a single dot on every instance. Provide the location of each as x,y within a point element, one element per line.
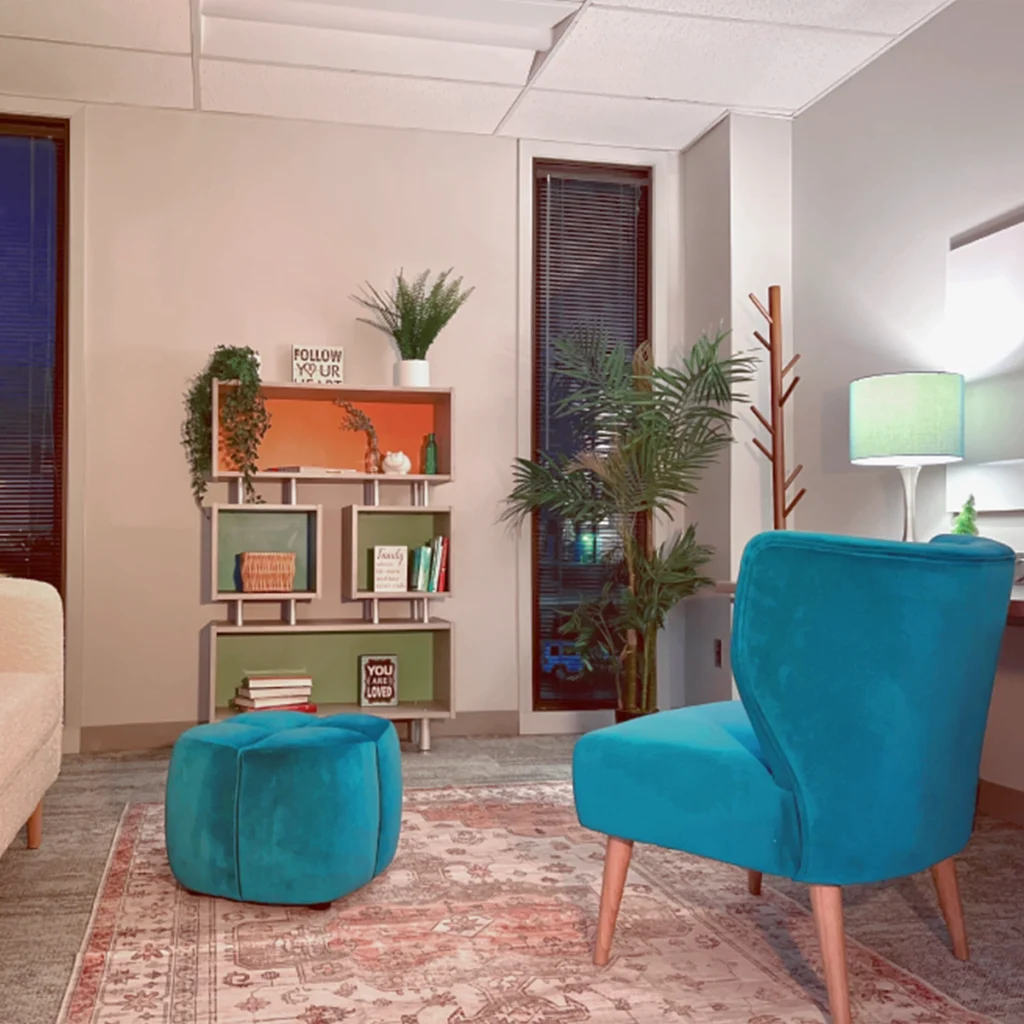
<point>442,578</point>
<point>309,709</point>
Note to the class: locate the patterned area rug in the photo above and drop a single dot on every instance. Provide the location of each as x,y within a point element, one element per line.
<point>487,915</point>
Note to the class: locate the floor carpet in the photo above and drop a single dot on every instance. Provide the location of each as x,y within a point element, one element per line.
<point>46,896</point>
<point>486,915</point>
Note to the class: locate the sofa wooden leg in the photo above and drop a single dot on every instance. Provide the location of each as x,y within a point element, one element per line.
<point>616,867</point>
<point>827,901</point>
<point>754,882</point>
<point>946,885</point>
<point>34,827</point>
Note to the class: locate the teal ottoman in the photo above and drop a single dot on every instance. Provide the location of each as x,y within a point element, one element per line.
<point>284,807</point>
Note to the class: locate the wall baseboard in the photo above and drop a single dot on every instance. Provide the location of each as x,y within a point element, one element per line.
<point>108,739</point>
<point>1001,802</point>
<point>479,723</point>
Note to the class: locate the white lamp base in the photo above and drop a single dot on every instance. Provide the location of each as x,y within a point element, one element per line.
<point>910,475</point>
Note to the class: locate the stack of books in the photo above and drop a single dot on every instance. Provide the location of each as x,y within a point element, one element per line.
<point>275,693</point>
<point>428,570</point>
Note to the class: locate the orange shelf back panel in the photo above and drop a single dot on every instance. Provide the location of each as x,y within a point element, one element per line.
<point>308,432</point>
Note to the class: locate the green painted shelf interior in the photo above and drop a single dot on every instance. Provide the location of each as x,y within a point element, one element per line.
<point>265,531</point>
<point>412,530</point>
<point>332,659</point>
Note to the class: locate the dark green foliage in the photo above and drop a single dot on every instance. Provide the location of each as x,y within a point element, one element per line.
<point>650,433</point>
<point>966,520</point>
<point>413,314</point>
<point>243,416</point>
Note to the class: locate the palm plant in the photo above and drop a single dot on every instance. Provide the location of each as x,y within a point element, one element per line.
<point>647,434</point>
<point>413,314</point>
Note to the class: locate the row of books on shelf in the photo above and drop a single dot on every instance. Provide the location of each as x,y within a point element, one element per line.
<point>398,570</point>
<point>275,693</point>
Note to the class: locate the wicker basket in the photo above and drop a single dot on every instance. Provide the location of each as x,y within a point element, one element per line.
<point>268,572</point>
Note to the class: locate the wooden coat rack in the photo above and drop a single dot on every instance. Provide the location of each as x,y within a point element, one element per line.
<point>776,425</point>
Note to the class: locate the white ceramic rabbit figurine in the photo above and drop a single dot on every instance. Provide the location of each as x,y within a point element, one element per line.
<point>396,463</point>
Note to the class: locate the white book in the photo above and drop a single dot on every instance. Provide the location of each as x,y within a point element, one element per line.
<point>269,682</point>
<point>296,692</point>
<point>390,569</point>
<point>268,702</point>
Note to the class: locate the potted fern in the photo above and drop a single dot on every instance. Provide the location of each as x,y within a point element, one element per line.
<point>414,314</point>
<point>646,433</point>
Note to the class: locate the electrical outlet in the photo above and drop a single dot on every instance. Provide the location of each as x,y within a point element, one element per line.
<point>718,653</point>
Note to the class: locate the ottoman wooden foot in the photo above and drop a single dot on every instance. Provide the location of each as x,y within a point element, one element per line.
<point>320,906</point>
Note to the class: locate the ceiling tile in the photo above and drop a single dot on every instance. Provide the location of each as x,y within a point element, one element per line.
<point>776,68</point>
<point>523,24</point>
<point>91,74</point>
<point>891,17</point>
<point>609,120</point>
<point>359,51</point>
<point>161,25</point>
<point>352,98</point>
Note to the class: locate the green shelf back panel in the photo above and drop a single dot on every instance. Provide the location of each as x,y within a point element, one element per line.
<point>412,530</point>
<point>265,531</point>
<point>332,659</point>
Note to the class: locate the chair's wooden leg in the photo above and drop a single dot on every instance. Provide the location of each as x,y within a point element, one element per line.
<point>946,885</point>
<point>754,882</point>
<point>827,901</point>
<point>34,827</point>
<point>616,867</point>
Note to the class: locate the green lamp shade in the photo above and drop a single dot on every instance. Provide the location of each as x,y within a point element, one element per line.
<point>907,419</point>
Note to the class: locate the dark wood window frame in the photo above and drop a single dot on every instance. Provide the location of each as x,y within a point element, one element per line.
<point>57,131</point>
<point>643,177</point>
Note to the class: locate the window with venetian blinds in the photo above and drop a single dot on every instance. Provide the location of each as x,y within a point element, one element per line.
<point>591,269</point>
<point>33,176</point>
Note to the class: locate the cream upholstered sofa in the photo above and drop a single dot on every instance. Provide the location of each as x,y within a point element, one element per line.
<point>31,703</point>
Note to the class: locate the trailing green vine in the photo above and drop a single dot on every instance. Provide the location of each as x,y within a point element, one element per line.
<point>243,418</point>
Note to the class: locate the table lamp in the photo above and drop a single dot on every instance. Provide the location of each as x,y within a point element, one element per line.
<point>907,420</point>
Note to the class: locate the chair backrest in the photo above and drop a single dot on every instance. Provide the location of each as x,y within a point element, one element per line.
<point>867,668</point>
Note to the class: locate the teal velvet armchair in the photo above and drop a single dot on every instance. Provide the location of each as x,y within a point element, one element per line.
<point>865,670</point>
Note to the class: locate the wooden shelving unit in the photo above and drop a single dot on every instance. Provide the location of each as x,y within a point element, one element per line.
<point>306,430</point>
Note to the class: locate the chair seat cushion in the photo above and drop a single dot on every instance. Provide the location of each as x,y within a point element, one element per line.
<point>30,710</point>
<point>692,779</point>
<point>283,807</point>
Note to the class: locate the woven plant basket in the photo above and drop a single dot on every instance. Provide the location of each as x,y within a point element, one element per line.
<point>268,572</point>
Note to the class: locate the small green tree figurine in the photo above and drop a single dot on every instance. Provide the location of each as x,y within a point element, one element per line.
<point>966,521</point>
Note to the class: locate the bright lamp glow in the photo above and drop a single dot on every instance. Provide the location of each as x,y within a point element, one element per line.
<point>907,419</point>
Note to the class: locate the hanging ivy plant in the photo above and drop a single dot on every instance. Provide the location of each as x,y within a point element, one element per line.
<point>243,418</point>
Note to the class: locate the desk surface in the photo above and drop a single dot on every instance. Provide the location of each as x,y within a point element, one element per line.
<point>1015,616</point>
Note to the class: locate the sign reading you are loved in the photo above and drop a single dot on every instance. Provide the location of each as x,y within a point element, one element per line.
<point>378,680</point>
<point>317,365</point>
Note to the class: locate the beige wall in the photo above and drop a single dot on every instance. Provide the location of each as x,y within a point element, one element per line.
<point>737,239</point>
<point>921,146</point>
<point>200,230</point>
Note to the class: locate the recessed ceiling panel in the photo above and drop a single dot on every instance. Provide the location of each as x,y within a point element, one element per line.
<point>352,98</point>
<point>891,17</point>
<point>609,120</point>
<point>357,51</point>
<point>775,68</point>
<point>91,74</point>
<point>161,25</point>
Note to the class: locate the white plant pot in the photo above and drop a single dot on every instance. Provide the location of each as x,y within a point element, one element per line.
<point>412,373</point>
